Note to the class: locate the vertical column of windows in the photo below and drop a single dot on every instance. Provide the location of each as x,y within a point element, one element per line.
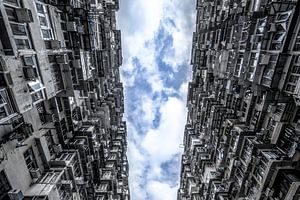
<point>44,19</point>
<point>18,27</point>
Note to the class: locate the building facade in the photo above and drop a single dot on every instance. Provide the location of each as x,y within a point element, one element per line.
<point>61,101</point>
<point>242,137</point>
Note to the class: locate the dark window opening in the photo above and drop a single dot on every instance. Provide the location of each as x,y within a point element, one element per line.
<point>4,186</point>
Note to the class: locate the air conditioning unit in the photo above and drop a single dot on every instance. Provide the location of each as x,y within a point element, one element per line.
<point>273,27</point>
<point>67,184</point>
<point>57,148</point>
<point>247,183</point>
<point>229,45</point>
<point>15,194</point>
<point>269,192</point>
<point>257,160</point>
<point>230,155</point>
<point>50,117</point>
<point>272,108</point>
<point>90,158</point>
<point>62,59</point>
<point>69,134</point>
<point>264,59</point>
<point>237,163</point>
<point>55,44</point>
<point>71,26</point>
<point>35,173</point>
<point>260,135</point>
<point>76,63</point>
<point>254,39</point>
<point>80,29</point>
<point>239,113</point>
<point>86,112</point>
<point>24,15</point>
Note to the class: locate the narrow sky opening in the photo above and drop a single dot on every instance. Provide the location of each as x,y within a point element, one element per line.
<point>156,43</point>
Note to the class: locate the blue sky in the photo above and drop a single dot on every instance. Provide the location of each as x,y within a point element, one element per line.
<point>156,44</point>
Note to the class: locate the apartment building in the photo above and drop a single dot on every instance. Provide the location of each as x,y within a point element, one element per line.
<point>61,101</point>
<point>242,136</point>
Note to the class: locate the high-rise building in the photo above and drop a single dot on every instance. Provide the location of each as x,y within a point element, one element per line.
<point>61,101</point>
<point>242,137</point>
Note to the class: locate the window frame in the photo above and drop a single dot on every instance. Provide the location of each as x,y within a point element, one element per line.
<point>13,20</point>
<point>47,26</point>
<point>50,142</point>
<point>36,91</point>
<point>32,164</point>
<point>6,105</point>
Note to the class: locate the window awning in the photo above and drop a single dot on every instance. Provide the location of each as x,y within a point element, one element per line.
<point>35,86</point>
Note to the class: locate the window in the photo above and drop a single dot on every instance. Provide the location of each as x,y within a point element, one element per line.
<point>37,96</point>
<point>50,142</point>
<point>59,104</point>
<point>43,16</point>
<point>35,86</point>
<point>46,33</point>
<point>2,65</point>
<point>293,79</point>
<point>279,37</point>
<point>43,21</point>
<point>40,8</point>
<point>271,124</point>
<point>296,69</point>
<point>11,14</point>
<point>30,72</point>
<point>5,105</point>
<point>284,16</point>
<point>290,88</point>
<point>261,25</point>
<point>22,43</point>
<point>268,73</point>
<point>36,90</point>
<point>262,22</point>
<point>63,26</point>
<point>42,112</point>
<point>30,159</point>
<point>14,2</point>
<point>2,81</point>
<point>56,77</point>
<point>51,58</point>
<point>28,61</point>
<point>18,29</point>
<point>4,186</point>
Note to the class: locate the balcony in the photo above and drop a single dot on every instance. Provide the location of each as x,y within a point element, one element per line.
<point>50,185</point>
<point>69,159</point>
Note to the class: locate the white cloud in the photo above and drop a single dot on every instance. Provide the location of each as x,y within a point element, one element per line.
<point>163,143</point>
<point>136,175</point>
<point>161,191</point>
<point>149,146</point>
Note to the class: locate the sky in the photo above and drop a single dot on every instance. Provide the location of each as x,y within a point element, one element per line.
<point>156,46</point>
